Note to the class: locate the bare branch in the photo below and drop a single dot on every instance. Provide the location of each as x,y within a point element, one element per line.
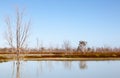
<point>20,33</point>
<point>9,34</point>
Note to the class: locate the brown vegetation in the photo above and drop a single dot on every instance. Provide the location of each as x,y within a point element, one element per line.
<point>61,53</point>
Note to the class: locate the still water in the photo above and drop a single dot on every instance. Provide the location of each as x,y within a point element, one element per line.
<point>60,69</point>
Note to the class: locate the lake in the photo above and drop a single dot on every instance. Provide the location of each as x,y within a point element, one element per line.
<point>60,69</point>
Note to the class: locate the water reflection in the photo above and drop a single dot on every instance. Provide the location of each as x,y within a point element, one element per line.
<point>41,66</point>
<point>67,64</point>
<point>13,69</point>
<point>49,65</point>
<point>18,69</point>
<point>83,65</point>
<point>58,69</point>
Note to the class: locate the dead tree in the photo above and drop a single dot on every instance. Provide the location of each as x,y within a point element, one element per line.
<point>17,31</point>
<point>67,46</point>
<point>37,44</point>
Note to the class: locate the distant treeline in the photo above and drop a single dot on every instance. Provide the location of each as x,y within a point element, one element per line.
<point>99,49</point>
<point>66,47</point>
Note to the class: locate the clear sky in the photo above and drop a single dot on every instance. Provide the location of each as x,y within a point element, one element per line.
<point>53,21</point>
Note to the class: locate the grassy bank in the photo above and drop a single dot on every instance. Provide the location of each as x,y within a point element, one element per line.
<point>73,55</point>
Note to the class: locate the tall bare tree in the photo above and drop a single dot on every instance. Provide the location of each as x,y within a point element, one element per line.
<point>17,31</point>
<point>66,45</point>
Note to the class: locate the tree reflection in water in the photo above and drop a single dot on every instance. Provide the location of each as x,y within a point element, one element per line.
<point>18,69</point>
<point>67,64</point>
<point>16,65</point>
<point>39,68</point>
<point>13,69</point>
<point>82,65</point>
<point>43,65</point>
<point>49,65</point>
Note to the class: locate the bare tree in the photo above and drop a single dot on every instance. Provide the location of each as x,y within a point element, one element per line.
<point>37,44</point>
<point>17,38</point>
<point>67,45</point>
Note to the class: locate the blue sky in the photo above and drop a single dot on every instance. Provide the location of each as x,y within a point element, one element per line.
<point>54,21</point>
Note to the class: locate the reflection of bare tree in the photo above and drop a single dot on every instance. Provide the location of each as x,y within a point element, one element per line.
<point>67,64</point>
<point>18,69</point>
<point>82,65</point>
<point>49,65</point>
<point>13,69</point>
<point>16,65</point>
<point>39,68</point>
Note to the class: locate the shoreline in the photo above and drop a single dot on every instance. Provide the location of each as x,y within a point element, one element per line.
<point>61,59</point>
<point>69,59</point>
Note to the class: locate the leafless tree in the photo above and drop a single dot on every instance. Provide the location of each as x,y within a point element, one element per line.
<point>17,31</point>
<point>37,44</point>
<point>66,45</point>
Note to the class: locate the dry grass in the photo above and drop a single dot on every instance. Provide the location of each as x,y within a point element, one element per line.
<point>61,55</point>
